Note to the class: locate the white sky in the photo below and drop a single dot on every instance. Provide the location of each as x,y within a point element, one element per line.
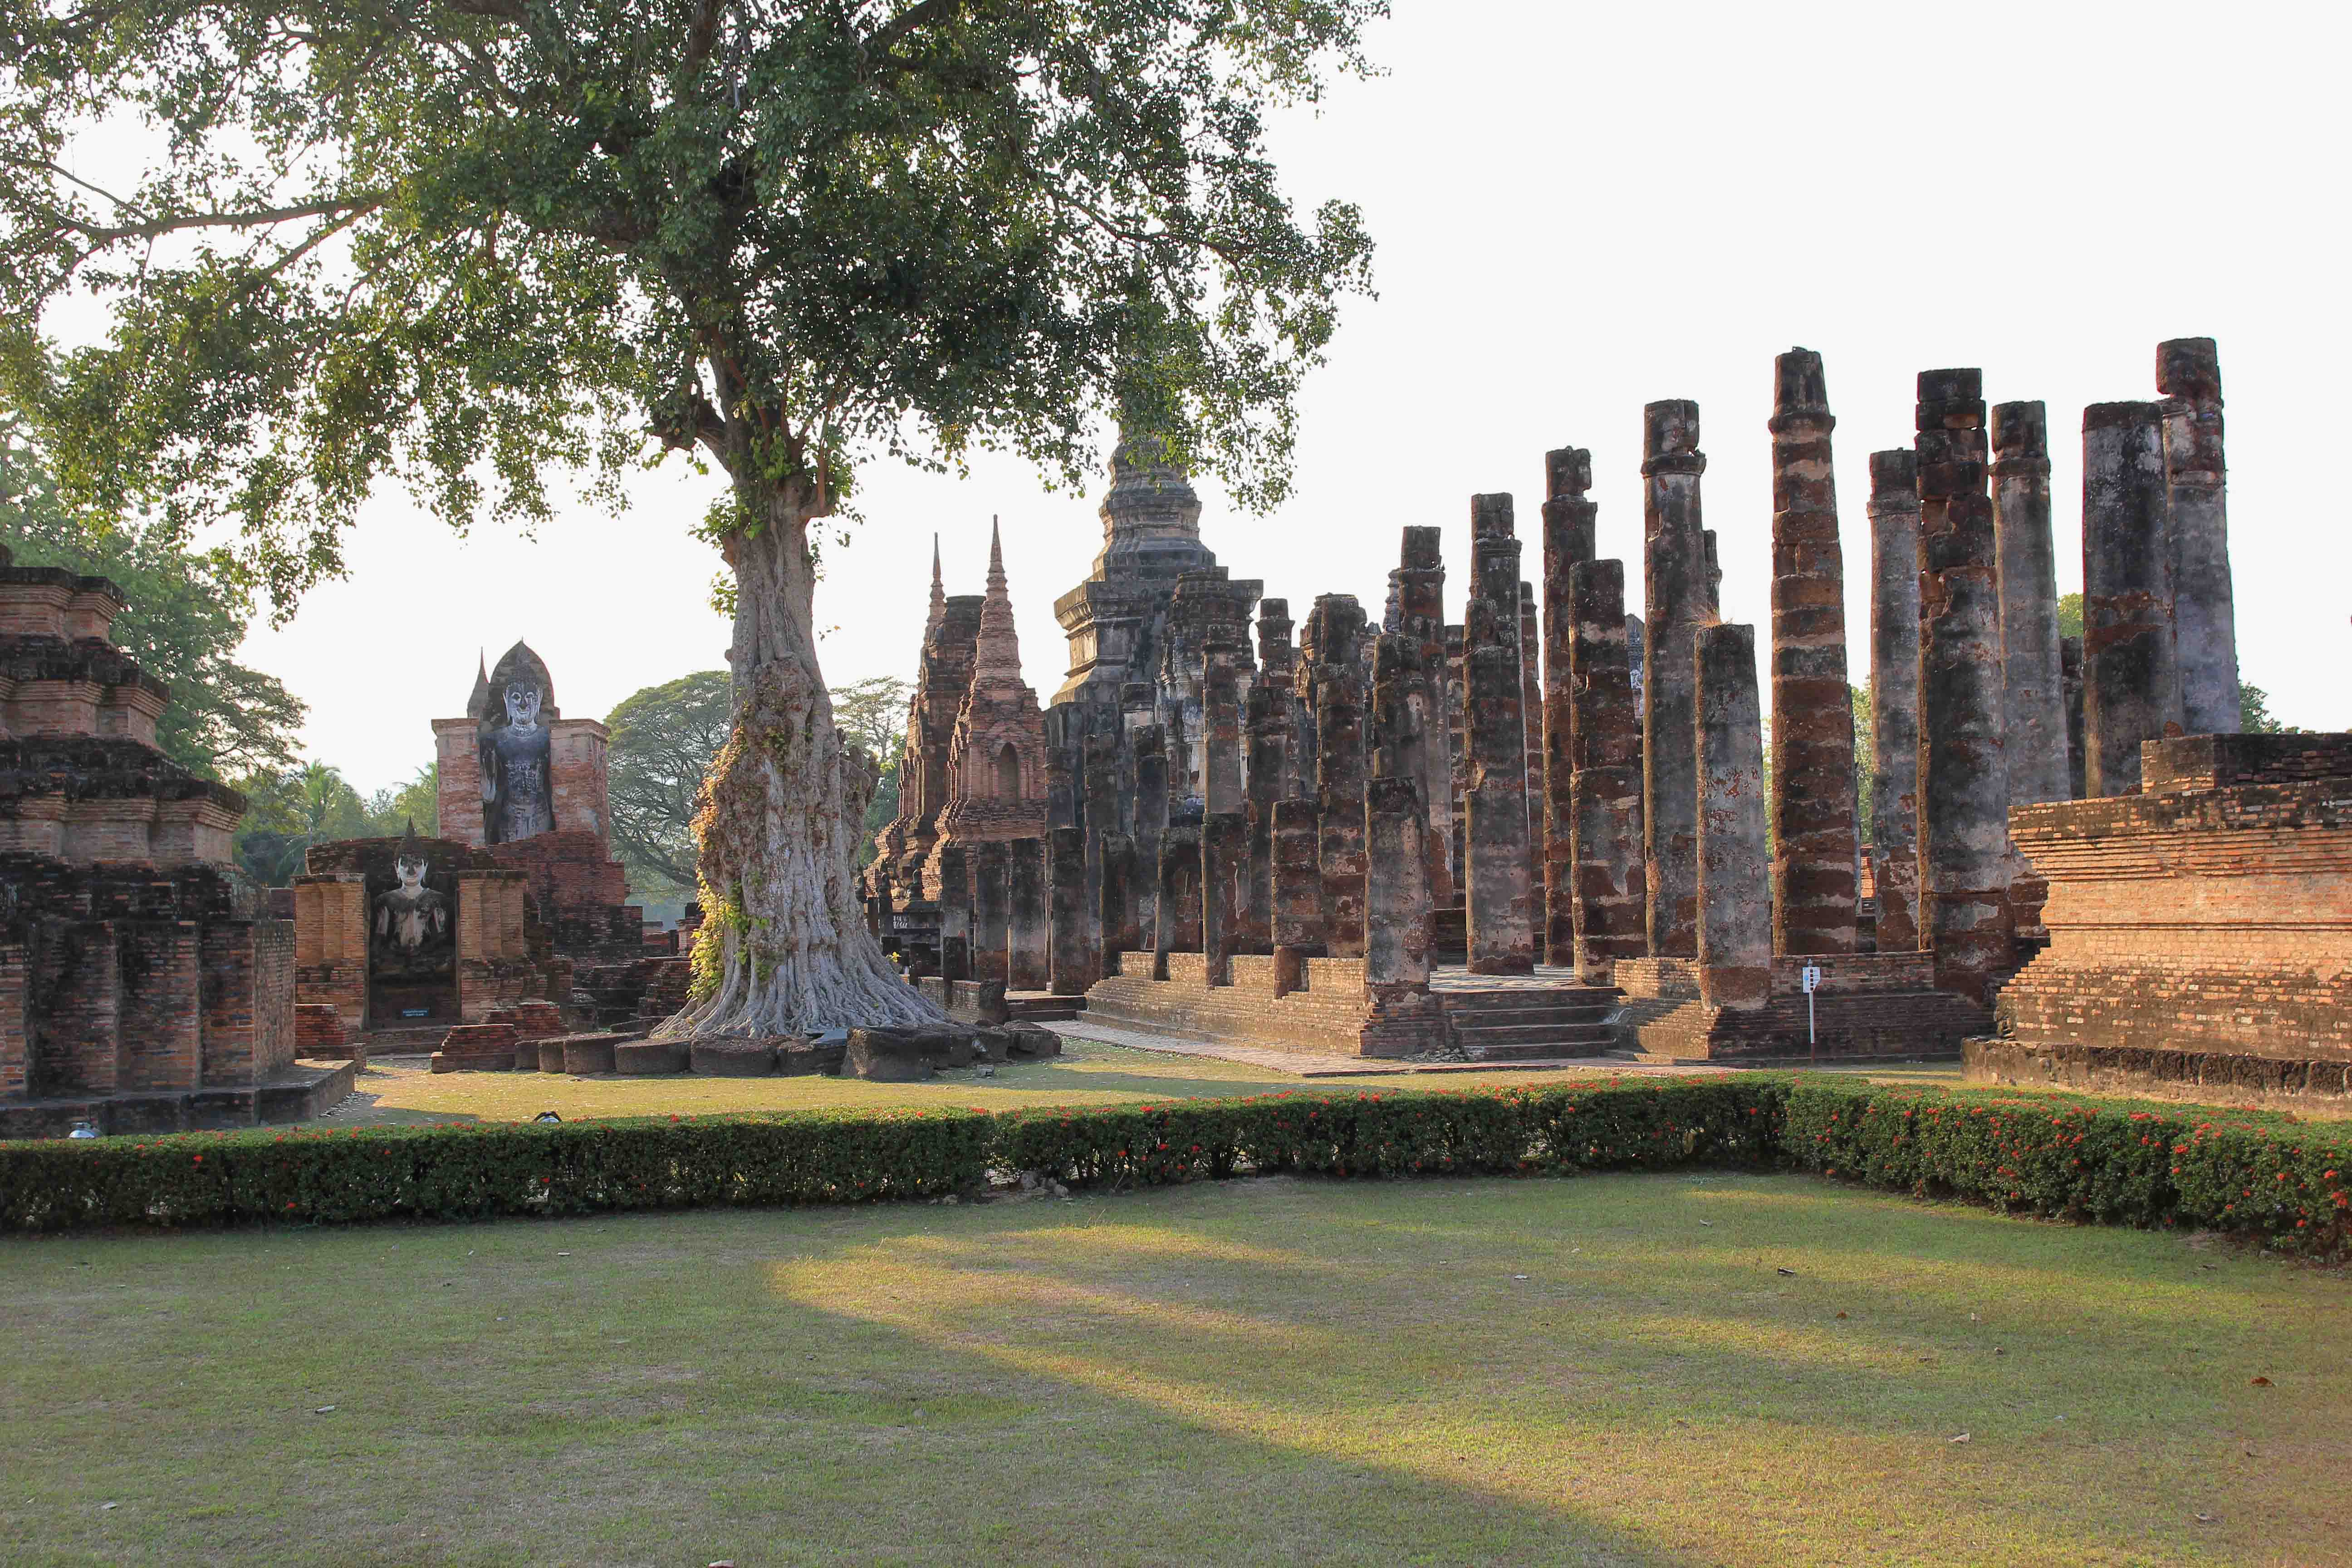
<point>1580,209</point>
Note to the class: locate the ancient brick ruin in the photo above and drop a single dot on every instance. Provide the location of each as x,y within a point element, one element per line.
<point>139,990</point>
<point>1546,830</point>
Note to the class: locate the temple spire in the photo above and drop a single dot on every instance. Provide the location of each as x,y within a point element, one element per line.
<point>938,594</point>
<point>479,702</point>
<point>999,652</point>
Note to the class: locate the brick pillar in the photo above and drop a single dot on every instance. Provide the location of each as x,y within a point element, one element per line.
<point>1569,523</point>
<point>1457,752</point>
<point>955,913</point>
<point>1964,850</point>
<point>1421,616</point>
<point>1735,916</point>
<point>1149,745</point>
<point>1105,765</point>
<point>2070,667</point>
<point>1604,886</point>
<point>2131,676</point>
<point>1027,921</point>
<point>1297,880</point>
<point>1396,920</point>
<point>1180,894</point>
<point>991,912</point>
<point>1270,762</point>
<point>1222,715</point>
<point>1500,902</point>
<point>1118,922</point>
<point>1813,805</point>
<point>2035,738</point>
<point>1894,695</point>
<point>2204,613</point>
<point>1532,718</point>
<point>1069,970</point>
<point>1678,596</point>
<point>1340,803</point>
<point>1224,890</point>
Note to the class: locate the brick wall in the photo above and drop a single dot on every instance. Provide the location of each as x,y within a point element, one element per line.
<point>1325,1017</point>
<point>15,1059</point>
<point>1869,1005</point>
<point>161,1022</point>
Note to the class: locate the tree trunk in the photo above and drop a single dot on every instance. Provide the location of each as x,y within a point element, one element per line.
<point>784,947</point>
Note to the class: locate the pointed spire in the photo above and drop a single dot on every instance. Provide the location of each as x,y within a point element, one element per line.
<point>479,702</point>
<point>938,594</point>
<point>999,649</point>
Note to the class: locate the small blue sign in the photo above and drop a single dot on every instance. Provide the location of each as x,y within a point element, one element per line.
<point>417,1012</point>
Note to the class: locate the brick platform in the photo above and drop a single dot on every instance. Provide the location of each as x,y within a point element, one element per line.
<point>1879,1006</point>
<point>1325,1015</point>
<point>2201,934</point>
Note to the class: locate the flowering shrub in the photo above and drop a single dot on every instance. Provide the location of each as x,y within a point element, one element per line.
<point>2065,1159</point>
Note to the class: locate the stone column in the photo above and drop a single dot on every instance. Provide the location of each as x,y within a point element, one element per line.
<point>2035,738</point>
<point>1147,744</point>
<point>991,912</point>
<point>1027,918</point>
<point>1106,766</point>
<point>955,914</point>
<point>1180,894</point>
<point>1269,736</point>
<point>1457,754</point>
<point>1500,913</point>
<point>1065,765</point>
<point>2131,678</point>
<point>1117,919</point>
<point>1421,616</point>
<point>1222,786</point>
<point>1340,800</point>
<point>1298,879</point>
<point>2204,608</point>
<point>1895,697</point>
<point>1678,596</point>
<point>1605,888</point>
<point>1735,918</point>
<point>1964,850</point>
<point>1532,718</point>
<point>1814,899</point>
<point>1069,970</point>
<point>1569,523</point>
<point>1224,890</point>
<point>1396,942</point>
<point>2070,665</point>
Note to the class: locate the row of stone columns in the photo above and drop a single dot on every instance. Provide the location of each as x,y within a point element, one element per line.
<point>997,921</point>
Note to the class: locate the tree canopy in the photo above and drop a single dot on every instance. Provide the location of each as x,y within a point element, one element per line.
<point>467,242</point>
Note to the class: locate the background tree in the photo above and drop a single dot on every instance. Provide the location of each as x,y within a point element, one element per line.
<point>872,713</point>
<point>664,738</point>
<point>2254,717</point>
<point>186,615</point>
<point>393,808</point>
<point>468,242</point>
<point>290,810</point>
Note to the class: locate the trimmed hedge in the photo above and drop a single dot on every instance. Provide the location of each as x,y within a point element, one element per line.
<point>2044,1155</point>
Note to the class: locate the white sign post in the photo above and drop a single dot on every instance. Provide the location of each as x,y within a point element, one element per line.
<point>1813,1041</point>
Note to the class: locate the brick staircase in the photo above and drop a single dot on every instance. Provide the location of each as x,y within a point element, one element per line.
<point>1041,1008</point>
<point>1535,1023</point>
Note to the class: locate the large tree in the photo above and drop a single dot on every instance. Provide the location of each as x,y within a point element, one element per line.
<point>471,242</point>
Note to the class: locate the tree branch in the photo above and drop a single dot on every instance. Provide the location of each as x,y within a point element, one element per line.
<point>921,15</point>
<point>157,227</point>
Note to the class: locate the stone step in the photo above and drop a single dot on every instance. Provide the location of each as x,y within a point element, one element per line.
<point>1039,1007</point>
<point>1496,1017</point>
<point>1596,1043</point>
<point>1506,997</point>
<point>1516,1034</point>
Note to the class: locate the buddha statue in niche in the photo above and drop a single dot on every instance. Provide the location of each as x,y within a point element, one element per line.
<point>516,802</point>
<point>411,922</point>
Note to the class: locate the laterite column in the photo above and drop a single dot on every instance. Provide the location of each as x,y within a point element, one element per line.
<point>2131,676</point>
<point>2035,738</point>
<point>1500,914</point>
<point>1568,543</point>
<point>1605,885</point>
<point>1735,918</point>
<point>955,914</point>
<point>1679,588</point>
<point>2204,614</point>
<point>991,912</point>
<point>1894,695</point>
<point>1028,924</point>
<point>1068,969</point>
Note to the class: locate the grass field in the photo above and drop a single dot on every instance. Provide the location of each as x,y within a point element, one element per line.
<point>1615,1369</point>
<point>1086,1073</point>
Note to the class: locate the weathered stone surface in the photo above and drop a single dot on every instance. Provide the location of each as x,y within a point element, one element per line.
<point>1678,580</point>
<point>2035,739</point>
<point>1069,959</point>
<point>1106,814</point>
<point>1339,804</point>
<point>641,1057</point>
<point>1398,1003</point>
<point>1147,744</point>
<point>1895,697</point>
<point>1271,761</point>
<point>2204,605</point>
<point>1027,920</point>
<point>1420,617</point>
<point>1568,524</point>
<point>991,910</point>
<point>1964,850</point>
<point>1734,918</point>
<point>1605,887</point>
<point>1814,899</point>
<point>954,895</point>
<point>2070,665</point>
<point>1298,879</point>
<point>1180,892</point>
<point>886,1056</point>
<point>2131,674</point>
<point>733,1058</point>
<point>1122,931</point>
<point>1531,718</point>
<point>1500,895</point>
<point>1224,890</point>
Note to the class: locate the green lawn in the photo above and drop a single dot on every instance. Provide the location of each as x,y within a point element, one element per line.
<point>1612,1369</point>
